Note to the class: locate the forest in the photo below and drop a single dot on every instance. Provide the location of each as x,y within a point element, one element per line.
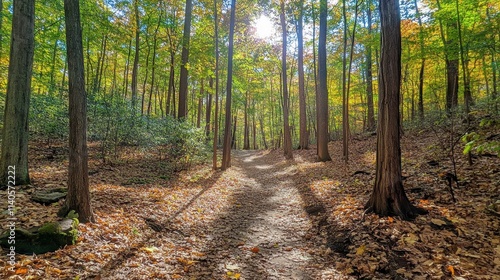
<point>240,139</point>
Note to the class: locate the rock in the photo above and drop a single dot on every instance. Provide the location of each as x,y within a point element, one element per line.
<point>48,197</point>
<point>39,240</point>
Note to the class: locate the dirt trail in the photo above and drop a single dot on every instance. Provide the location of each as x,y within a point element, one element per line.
<point>268,214</point>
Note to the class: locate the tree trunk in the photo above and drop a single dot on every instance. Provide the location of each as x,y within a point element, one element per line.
<point>15,119</point>
<point>78,197</point>
<point>287,141</point>
<point>208,112</point>
<point>303,138</point>
<point>322,93</point>
<point>226,148</point>
<point>144,83</point>
<point>135,67</point>
<point>246,128</point>
<point>200,105</point>
<point>153,64</point>
<point>126,70</point>
<point>216,113</point>
<point>183,83</point>
<point>370,124</point>
<point>388,197</point>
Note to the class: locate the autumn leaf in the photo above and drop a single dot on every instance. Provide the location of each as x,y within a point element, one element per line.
<point>255,250</point>
<point>360,250</point>
<point>21,270</point>
<point>451,270</point>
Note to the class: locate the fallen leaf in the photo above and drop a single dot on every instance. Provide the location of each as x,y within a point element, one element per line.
<point>360,250</point>
<point>21,270</point>
<point>451,270</point>
<point>255,250</point>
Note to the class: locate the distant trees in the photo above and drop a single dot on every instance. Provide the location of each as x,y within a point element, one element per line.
<point>15,123</point>
<point>78,197</point>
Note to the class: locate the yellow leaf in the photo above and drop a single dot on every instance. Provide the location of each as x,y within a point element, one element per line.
<point>360,250</point>
<point>390,219</point>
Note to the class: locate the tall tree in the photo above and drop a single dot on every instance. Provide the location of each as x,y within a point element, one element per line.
<point>451,58</point>
<point>370,126</point>
<point>304,134</point>
<point>216,114</point>
<point>226,148</point>
<point>287,137</point>
<point>422,63</point>
<point>388,197</point>
<point>322,92</point>
<point>183,82</point>
<point>135,67</point>
<point>15,122</point>
<point>78,197</point>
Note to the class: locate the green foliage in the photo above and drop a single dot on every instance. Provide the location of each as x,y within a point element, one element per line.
<point>48,117</point>
<point>480,143</point>
<point>114,124</point>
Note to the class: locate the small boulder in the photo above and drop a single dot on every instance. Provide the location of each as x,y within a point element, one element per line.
<point>39,240</point>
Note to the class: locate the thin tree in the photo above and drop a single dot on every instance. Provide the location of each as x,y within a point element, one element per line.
<point>216,114</point>
<point>322,91</point>
<point>135,67</point>
<point>287,137</point>
<point>78,197</point>
<point>370,126</point>
<point>388,197</point>
<point>15,123</point>
<point>226,148</point>
<point>422,63</point>
<point>183,81</point>
<point>303,136</point>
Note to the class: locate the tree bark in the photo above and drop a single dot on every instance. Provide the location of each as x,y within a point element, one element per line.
<point>322,94</point>
<point>388,197</point>
<point>78,197</point>
<point>226,148</point>
<point>15,119</point>
<point>135,67</point>
<point>370,124</point>
<point>216,113</point>
<point>303,136</point>
<point>183,83</point>
<point>287,140</point>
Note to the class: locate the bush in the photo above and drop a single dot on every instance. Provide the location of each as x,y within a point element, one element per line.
<point>48,117</point>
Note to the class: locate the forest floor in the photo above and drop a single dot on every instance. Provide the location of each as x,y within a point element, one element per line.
<point>268,218</point>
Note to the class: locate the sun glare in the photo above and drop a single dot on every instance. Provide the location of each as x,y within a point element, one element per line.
<point>263,27</point>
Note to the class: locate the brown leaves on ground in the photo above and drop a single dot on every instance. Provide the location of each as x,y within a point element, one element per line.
<point>267,218</point>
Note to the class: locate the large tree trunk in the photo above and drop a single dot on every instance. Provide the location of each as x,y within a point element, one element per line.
<point>226,148</point>
<point>78,197</point>
<point>388,197</point>
<point>322,94</point>
<point>183,83</point>
<point>15,123</point>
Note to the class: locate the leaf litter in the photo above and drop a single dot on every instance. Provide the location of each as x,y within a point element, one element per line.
<point>268,218</point>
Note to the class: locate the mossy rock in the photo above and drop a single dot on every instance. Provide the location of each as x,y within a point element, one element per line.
<point>48,197</point>
<point>47,238</point>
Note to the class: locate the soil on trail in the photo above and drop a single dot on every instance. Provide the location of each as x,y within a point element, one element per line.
<point>263,235</point>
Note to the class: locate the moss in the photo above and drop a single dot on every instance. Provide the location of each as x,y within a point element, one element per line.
<point>50,228</point>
